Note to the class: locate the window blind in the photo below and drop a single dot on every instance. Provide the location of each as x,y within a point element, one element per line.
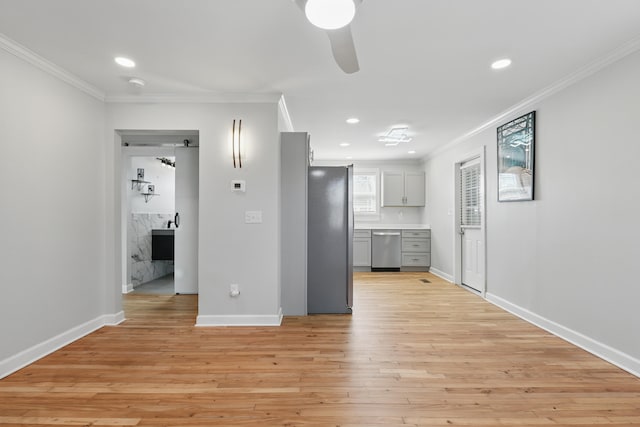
<point>364,192</point>
<point>470,194</point>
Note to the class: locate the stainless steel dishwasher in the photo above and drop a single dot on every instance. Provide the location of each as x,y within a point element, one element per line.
<point>385,249</point>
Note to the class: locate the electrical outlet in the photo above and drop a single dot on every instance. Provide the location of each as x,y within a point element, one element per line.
<point>234,290</point>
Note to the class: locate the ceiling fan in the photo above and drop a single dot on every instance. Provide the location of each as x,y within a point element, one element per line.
<point>334,16</point>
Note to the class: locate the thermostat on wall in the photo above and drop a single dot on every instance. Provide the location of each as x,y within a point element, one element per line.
<point>238,185</point>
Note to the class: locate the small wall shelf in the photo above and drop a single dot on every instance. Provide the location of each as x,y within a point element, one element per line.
<point>148,196</point>
<point>138,184</point>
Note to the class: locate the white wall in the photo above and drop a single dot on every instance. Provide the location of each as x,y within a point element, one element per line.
<point>230,251</point>
<point>565,260</point>
<point>387,215</point>
<point>52,248</point>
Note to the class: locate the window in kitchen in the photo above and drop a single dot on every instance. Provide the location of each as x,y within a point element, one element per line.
<point>365,195</point>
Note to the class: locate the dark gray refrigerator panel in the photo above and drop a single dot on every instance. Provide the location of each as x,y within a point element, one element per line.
<point>329,240</point>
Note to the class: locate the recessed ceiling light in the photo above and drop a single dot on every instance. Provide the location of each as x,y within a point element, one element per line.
<point>412,152</point>
<point>353,120</point>
<point>344,144</point>
<point>330,14</point>
<point>501,63</point>
<point>349,157</point>
<point>125,62</point>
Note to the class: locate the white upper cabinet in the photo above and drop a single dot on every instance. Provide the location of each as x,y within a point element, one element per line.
<point>414,191</point>
<point>392,188</point>
<point>403,188</point>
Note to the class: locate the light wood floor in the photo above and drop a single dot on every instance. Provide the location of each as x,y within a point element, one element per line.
<point>413,353</point>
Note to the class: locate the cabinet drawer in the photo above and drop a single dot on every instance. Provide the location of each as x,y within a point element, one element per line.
<point>416,245</point>
<point>416,260</point>
<point>420,234</point>
<point>362,233</point>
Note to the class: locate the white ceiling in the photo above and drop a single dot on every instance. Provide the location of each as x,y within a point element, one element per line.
<point>423,63</point>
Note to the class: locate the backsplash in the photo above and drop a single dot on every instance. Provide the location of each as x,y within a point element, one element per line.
<point>143,269</point>
<point>393,215</point>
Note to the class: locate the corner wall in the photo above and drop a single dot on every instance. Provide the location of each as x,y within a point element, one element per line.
<point>566,260</point>
<point>52,185</point>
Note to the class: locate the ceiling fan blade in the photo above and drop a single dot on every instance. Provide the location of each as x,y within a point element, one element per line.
<point>341,40</point>
<point>301,4</point>
<point>344,51</point>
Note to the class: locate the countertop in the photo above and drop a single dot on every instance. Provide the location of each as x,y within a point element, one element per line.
<point>163,231</point>
<point>365,226</point>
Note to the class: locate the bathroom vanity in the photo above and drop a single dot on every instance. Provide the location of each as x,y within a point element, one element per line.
<point>162,244</point>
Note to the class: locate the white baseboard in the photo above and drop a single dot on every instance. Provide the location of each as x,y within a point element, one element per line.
<point>240,320</point>
<point>441,274</point>
<point>127,288</point>
<point>113,319</point>
<point>38,351</point>
<point>603,351</point>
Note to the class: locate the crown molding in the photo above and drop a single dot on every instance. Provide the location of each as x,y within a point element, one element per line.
<point>218,98</point>
<point>49,67</point>
<point>282,105</point>
<point>615,55</point>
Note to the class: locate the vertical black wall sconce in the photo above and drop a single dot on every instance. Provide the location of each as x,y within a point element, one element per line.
<point>235,144</point>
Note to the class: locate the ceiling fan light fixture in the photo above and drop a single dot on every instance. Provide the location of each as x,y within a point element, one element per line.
<point>330,14</point>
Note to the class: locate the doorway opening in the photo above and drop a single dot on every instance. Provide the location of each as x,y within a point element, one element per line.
<point>470,222</point>
<point>159,221</point>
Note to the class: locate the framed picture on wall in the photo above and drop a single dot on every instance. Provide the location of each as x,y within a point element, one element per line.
<point>516,145</point>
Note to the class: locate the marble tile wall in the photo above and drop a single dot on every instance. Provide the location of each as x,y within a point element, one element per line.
<point>143,269</point>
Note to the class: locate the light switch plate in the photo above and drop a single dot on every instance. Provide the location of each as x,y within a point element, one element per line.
<point>253,217</point>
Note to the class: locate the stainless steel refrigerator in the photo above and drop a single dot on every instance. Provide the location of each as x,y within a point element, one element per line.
<point>330,240</point>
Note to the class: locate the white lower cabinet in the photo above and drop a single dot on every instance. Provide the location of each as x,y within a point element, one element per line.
<point>416,260</point>
<point>416,250</point>
<point>362,250</point>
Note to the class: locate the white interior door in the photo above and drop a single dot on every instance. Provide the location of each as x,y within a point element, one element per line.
<point>471,218</point>
<point>186,234</point>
